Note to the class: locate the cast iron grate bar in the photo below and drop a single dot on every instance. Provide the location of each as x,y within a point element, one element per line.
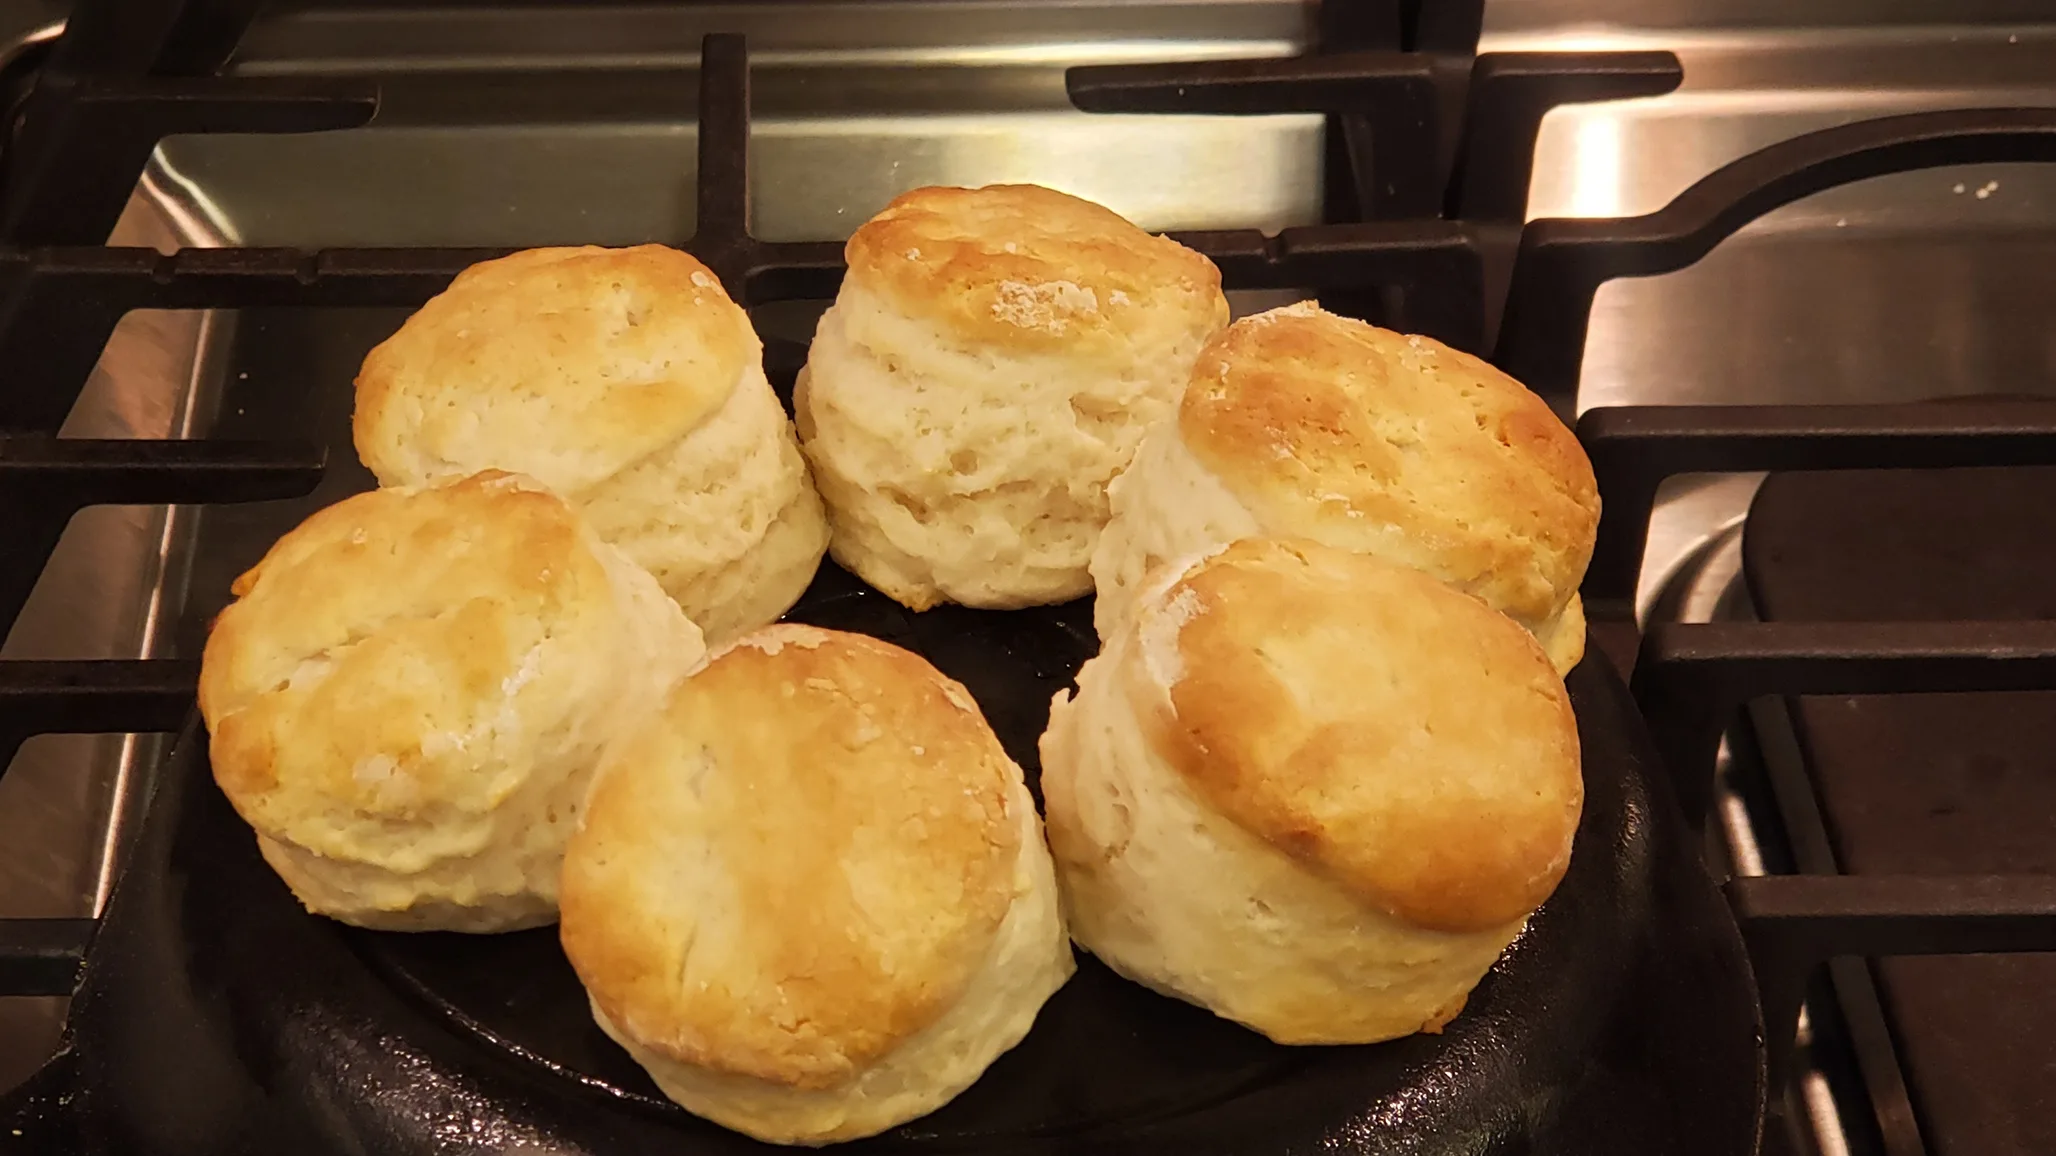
<point>98,696</point>
<point>1396,100</point>
<point>1691,678</point>
<point>122,78</point>
<point>1903,785</point>
<point>754,271</point>
<point>144,37</point>
<point>1563,262</point>
<point>1417,120</point>
<point>1634,448</point>
<point>1510,93</point>
<point>1341,25</point>
<point>1445,32</point>
<point>44,481</point>
<point>1690,681</point>
<point>201,40</point>
<point>84,142</point>
<point>1385,104</point>
<point>1443,295</point>
<point>1355,26</point>
<point>1789,922</point>
<point>1443,26</point>
<point>1793,924</point>
<point>43,956</point>
<point>721,237</point>
<point>138,696</point>
<point>59,306</point>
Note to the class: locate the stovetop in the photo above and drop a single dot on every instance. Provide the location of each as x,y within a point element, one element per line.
<point>505,125</point>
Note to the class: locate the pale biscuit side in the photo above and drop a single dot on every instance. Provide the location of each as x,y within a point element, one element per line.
<point>1165,506</point>
<point>726,518</point>
<point>1171,894</point>
<point>412,691</point>
<point>966,477</point>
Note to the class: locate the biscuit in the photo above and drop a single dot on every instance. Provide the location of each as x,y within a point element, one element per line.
<point>1313,791</point>
<point>408,697</point>
<point>989,365</point>
<point>1300,423</point>
<point>627,381</point>
<point>812,897</point>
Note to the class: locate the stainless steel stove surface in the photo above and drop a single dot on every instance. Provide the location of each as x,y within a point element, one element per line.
<point>522,125</point>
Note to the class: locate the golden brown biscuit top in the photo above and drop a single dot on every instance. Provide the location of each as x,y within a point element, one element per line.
<point>1402,738</point>
<point>382,651</point>
<point>1332,429</point>
<point>802,863</point>
<point>1026,267</point>
<point>567,364</point>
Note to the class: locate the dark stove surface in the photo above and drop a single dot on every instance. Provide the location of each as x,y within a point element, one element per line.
<point>1934,784</point>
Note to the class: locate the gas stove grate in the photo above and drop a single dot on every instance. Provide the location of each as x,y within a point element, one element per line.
<point>1431,150</point>
<point>1691,680</point>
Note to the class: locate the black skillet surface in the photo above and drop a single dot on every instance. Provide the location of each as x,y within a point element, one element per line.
<point>218,1017</point>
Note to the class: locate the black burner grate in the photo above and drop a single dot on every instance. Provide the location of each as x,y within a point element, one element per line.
<point>1692,679</point>
<point>1926,784</point>
<point>1431,147</point>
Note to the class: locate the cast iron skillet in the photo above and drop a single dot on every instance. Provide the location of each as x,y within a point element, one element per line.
<point>218,1017</point>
